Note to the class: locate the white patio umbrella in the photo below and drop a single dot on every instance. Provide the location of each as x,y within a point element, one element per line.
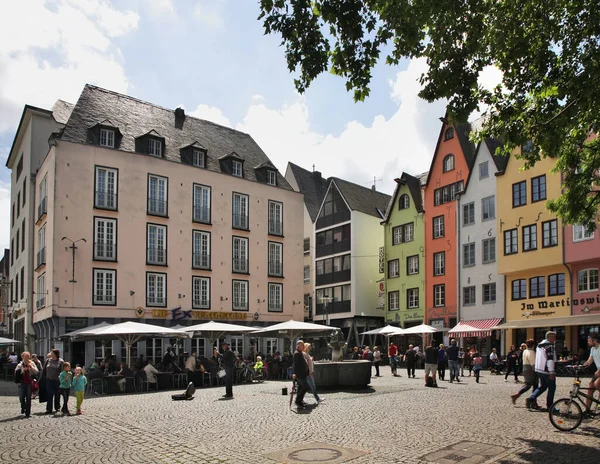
<point>387,330</point>
<point>292,329</point>
<point>130,333</point>
<point>75,333</point>
<point>8,341</point>
<point>420,329</point>
<point>215,330</point>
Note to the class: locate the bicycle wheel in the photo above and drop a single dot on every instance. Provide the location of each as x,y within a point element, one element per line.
<point>566,414</point>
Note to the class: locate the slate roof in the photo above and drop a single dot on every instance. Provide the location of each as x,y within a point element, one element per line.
<point>363,199</point>
<point>313,186</point>
<point>499,161</point>
<point>61,111</point>
<point>135,118</point>
<point>414,184</point>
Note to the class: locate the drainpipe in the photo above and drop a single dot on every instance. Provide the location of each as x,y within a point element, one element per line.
<point>570,271</point>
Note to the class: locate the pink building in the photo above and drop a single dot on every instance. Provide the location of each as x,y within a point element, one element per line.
<point>183,221</point>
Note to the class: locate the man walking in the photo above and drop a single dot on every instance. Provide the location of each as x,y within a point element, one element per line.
<point>453,354</point>
<point>299,374</point>
<point>545,362</point>
<point>431,357</point>
<point>228,362</point>
<point>410,358</point>
<point>393,356</point>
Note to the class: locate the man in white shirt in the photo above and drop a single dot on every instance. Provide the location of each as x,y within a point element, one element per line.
<point>594,344</point>
<point>150,370</point>
<point>545,363</point>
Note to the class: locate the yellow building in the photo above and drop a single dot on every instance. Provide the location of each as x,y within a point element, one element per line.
<point>530,255</point>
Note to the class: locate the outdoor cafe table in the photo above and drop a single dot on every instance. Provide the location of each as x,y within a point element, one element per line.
<point>111,383</point>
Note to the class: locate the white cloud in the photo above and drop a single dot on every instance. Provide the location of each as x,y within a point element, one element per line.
<point>211,113</point>
<point>208,12</point>
<point>5,222</point>
<point>66,44</point>
<point>160,8</point>
<point>257,98</point>
<point>382,149</point>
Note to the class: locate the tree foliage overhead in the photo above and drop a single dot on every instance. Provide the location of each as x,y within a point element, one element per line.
<point>547,51</point>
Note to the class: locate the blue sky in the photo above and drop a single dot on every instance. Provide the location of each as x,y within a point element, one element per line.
<point>212,57</point>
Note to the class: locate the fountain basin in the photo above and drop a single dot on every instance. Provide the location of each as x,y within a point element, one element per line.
<point>344,374</point>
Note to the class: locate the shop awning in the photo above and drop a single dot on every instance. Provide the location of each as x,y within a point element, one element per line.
<point>588,319</point>
<point>478,328</point>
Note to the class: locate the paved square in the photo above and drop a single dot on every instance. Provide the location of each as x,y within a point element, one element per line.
<point>397,420</point>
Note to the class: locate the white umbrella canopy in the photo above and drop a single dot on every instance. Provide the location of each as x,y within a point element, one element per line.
<point>387,330</point>
<point>215,330</point>
<point>420,329</point>
<point>75,333</point>
<point>292,329</point>
<point>8,341</point>
<point>130,333</point>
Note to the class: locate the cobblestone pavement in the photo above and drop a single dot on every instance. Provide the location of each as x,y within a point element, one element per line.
<point>397,420</point>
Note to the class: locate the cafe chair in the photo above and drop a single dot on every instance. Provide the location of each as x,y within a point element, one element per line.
<point>179,380</point>
<point>130,382</point>
<point>96,386</point>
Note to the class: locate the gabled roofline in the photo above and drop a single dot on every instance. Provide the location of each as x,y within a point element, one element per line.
<point>437,146</point>
<point>26,109</point>
<point>332,182</point>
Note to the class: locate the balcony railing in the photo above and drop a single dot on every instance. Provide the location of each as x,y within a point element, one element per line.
<point>40,303</point>
<point>240,265</point>
<point>105,251</point>
<point>275,227</point>
<point>156,256</point>
<point>104,299</point>
<point>201,214</point>
<point>156,300</point>
<point>240,305</point>
<point>201,261</point>
<point>202,304</point>
<point>41,257</point>
<point>240,221</point>
<point>157,207</point>
<point>275,268</point>
<point>105,200</point>
<point>42,208</point>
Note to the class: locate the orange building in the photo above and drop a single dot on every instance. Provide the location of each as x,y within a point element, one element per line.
<point>452,161</point>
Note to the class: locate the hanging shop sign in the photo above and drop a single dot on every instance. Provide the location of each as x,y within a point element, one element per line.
<point>381,260</point>
<point>177,314</point>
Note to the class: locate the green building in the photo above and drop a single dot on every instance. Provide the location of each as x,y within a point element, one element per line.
<point>404,254</point>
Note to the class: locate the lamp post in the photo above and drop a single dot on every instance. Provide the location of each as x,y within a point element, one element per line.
<point>73,248</point>
<point>325,299</point>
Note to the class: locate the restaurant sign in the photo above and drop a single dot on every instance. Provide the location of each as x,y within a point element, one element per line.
<point>381,260</point>
<point>177,314</point>
<point>75,323</point>
<point>543,307</point>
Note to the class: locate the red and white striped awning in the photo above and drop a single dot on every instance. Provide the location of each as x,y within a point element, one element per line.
<point>479,328</point>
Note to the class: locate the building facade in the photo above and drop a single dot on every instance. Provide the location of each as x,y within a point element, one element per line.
<point>404,236</point>
<point>481,288</point>
<point>530,255</point>
<point>147,214</point>
<point>450,167</point>
<point>4,293</point>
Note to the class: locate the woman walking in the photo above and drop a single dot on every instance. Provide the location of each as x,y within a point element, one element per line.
<point>441,365</point>
<point>477,365</point>
<point>529,375</point>
<point>25,371</point>
<point>52,370</point>
<point>311,373</point>
<point>512,361</point>
<point>376,360</point>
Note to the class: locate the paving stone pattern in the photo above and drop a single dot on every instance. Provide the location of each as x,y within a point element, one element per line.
<point>397,420</point>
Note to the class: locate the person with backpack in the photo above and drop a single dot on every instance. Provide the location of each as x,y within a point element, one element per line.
<point>25,372</point>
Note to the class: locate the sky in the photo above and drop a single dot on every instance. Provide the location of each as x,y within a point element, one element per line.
<point>213,58</point>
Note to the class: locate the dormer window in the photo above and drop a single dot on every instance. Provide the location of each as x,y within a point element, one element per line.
<point>236,168</point>
<point>155,148</point>
<point>448,163</point>
<point>404,202</point>
<point>449,134</point>
<point>271,178</point>
<point>198,158</point>
<point>107,138</point>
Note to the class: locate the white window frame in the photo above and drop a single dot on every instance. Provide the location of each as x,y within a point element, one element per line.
<point>581,233</point>
<point>394,301</point>
<point>239,297</point>
<point>237,168</point>
<point>588,281</point>
<point>307,274</point>
<point>491,291</point>
<point>490,244</point>
<point>411,268</point>
<point>240,218</point>
<point>106,188</point>
<point>107,138</point>
<point>156,238</point>
<point>412,296</point>
<point>488,208</point>
<point>468,254</point>
<point>272,177</point>
<point>156,289</point>
<point>200,292</point>
<point>237,345</point>
<point>448,163</point>
<point>155,147</point>
<point>275,218</point>
<point>393,268</point>
<point>275,297</point>
<point>239,254</point>
<point>439,295</point>
<point>199,346</point>
<point>512,245</point>
<point>552,238</point>
<point>104,287</point>
<point>469,214</point>
<point>397,235</point>
<point>409,232</point>
<point>275,259</point>
<point>40,294</point>
<point>158,190</point>
<point>270,346</point>
<point>439,263</point>
<point>42,238</point>
<point>200,249</point>
<point>201,203</point>
<point>438,227</point>
<point>198,158</point>
<point>105,239</point>
<point>484,171</point>
<point>404,202</point>
<point>530,238</point>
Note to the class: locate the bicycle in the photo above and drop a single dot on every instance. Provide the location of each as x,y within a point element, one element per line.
<point>566,414</point>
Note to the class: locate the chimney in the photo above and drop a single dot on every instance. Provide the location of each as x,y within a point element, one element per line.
<point>179,117</point>
<point>317,176</point>
<point>373,187</point>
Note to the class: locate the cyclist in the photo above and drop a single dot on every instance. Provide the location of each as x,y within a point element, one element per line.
<point>594,344</point>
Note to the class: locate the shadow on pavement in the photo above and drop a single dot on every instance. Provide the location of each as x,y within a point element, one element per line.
<point>543,452</point>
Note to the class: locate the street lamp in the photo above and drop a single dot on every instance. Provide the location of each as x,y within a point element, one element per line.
<point>325,299</point>
<point>73,248</point>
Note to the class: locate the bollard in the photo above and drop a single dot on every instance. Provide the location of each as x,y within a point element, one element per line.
<point>284,391</point>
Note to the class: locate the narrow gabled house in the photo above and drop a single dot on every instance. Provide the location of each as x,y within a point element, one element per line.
<point>450,167</point>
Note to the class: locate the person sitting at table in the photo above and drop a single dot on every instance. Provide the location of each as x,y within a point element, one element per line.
<point>94,372</point>
<point>150,371</point>
<point>139,363</point>
<point>112,364</point>
<point>190,362</point>
<point>13,358</point>
<point>239,362</point>
<point>125,371</point>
